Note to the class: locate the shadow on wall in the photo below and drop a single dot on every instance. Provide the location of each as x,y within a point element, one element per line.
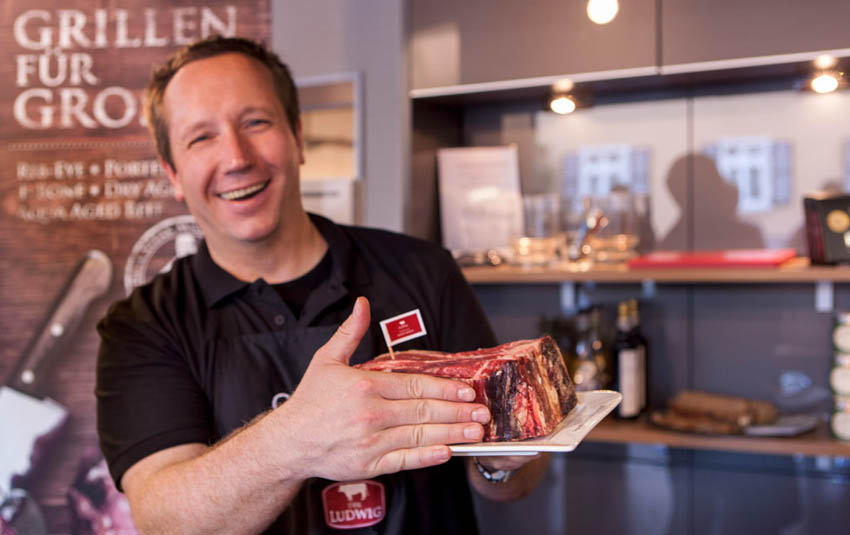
<point>713,221</point>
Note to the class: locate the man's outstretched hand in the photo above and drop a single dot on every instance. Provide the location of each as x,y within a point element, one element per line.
<point>347,424</point>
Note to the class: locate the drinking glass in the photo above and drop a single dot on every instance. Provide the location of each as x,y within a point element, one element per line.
<point>543,236</point>
<point>617,238</point>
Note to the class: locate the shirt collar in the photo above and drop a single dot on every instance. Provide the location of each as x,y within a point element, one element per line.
<point>217,284</point>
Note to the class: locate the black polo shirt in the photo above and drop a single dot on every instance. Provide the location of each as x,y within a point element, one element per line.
<point>197,353</point>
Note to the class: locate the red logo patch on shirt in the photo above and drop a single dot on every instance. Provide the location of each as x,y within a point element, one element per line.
<point>403,327</point>
<point>354,504</point>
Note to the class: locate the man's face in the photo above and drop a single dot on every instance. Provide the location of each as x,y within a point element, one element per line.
<point>236,160</point>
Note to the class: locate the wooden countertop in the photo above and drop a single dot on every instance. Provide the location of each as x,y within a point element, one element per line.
<point>797,270</point>
<point>816,442</point>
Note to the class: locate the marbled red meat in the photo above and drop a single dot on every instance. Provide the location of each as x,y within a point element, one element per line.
<point>524,383</point>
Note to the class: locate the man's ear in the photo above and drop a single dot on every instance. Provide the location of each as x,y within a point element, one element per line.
<point>172,177</point>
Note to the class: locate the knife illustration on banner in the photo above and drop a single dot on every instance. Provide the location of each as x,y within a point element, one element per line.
<point>28,418</point>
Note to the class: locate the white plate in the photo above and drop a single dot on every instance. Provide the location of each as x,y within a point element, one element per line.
<point>592,407</point>
<point>785,426</point>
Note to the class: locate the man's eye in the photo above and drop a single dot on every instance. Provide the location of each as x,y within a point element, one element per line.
<point>257,122</point>
<point>198,139</point>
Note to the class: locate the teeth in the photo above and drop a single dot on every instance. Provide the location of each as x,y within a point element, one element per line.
<point>241,193</point>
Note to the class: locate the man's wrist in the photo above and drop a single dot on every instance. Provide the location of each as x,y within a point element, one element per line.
<point>492,476</point>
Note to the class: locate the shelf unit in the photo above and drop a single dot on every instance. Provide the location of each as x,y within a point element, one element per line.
<point>796,270</point>
<point>471,113</point>
<point>818,442</point>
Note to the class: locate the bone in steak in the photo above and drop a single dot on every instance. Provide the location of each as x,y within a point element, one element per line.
<point>525,383</point>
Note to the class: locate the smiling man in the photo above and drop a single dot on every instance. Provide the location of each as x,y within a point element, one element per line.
<point>234,155</point>
<point>226,403</point>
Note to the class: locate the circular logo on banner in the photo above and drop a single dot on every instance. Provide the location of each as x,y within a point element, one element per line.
<point>838,221</point>
<point>159,247</point>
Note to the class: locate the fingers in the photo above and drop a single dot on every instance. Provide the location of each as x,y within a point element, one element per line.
<point>422,435</point>
<point>412,459</point>
<point>345,340</point>
<point>428,411</point>
<point>417,446</point>
<point>418,386</point>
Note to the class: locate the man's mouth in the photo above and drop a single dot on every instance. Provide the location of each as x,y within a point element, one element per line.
<point>244,193</point>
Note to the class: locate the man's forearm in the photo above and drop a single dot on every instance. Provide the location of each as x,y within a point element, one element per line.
<point>361,424</point>
<point>236,486</point>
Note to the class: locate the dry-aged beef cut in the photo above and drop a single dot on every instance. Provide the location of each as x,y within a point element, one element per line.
<point>524,383</point>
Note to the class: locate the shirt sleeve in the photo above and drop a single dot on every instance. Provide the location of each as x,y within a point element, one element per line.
<point>147,397</point>
<point>464,325</point>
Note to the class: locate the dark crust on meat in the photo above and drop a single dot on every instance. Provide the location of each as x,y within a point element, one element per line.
<point>525,384</point>
<point>558,375</point>
<point>495,387</point>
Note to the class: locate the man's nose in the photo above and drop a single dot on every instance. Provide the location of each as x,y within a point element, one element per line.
<point>236,152</point>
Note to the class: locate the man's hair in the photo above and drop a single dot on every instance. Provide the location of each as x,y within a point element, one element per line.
<point>206,48</point>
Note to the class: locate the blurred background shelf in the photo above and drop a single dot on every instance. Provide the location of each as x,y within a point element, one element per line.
<point>815,443</point>
<point>797,270</point>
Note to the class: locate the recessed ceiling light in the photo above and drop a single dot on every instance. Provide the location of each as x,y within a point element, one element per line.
<point>564,85</point>
<point>562,104</point>
<point>602,11</point>
<point>825,61</point>
<point>825,83</point>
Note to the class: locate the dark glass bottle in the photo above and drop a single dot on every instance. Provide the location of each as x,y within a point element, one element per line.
<point>627,366</point>
<point>643,348</point>
<point>591,369</point>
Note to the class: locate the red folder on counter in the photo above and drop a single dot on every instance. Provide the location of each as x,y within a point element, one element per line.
<point>732,258</point>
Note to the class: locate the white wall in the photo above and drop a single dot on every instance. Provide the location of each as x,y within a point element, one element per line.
<point>659,126</point>
<point>814,126</point>
<point>324,37</point>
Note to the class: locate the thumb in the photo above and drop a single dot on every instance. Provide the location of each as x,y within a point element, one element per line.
<point>345,340</point>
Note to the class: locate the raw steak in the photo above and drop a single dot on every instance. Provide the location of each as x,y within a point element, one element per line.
<point>524,383</point>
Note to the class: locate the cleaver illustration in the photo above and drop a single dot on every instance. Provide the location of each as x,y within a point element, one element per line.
<point>29,420</point>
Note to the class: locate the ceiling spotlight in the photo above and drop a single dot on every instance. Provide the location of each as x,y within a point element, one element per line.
<point>602,11</point>
<point>825,83</point>
<point>564,85</point>
<point>562,104</point>
<point>825,61</point>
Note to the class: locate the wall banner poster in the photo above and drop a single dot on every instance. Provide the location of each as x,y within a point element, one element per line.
<point>86,213</point>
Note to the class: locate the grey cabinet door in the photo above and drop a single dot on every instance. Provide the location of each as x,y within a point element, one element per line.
<point>695,31</point>
<point>476,41</point>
